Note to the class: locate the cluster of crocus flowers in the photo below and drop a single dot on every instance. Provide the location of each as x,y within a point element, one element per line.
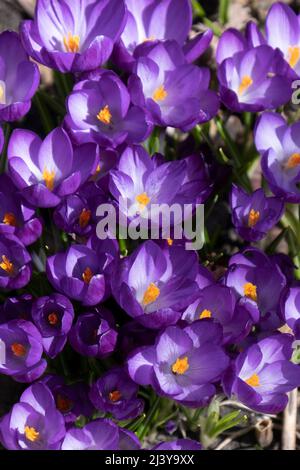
<point>98,328</point>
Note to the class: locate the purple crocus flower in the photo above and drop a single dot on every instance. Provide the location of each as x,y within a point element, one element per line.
<point>290,308</point>
<point>251,78</point>
<point>16,215</point>
<point>282,32</point>
<point>107,160</point>
<point>253,215</point>
<point>74,36</point>
<point>15,263</point>
<point>179,444</point>
<point>71,400</point>
<point>23,351</point>
<point>53,315</point>
<point>77,212</point>
<point>16,308</point>
<point>140,184</point>
<point>259,281</point>
<point>174,92</point>
<point>116,393</point>
<point>80,272</point>
<point>19,78</point>
<point>99,111</point>
<point>219,303</point>
<point>94,333</point>
<point>154,285</point>
<point>34,423</point>
<point>279,145</point>
<point>261,376</point>
<point>151,20</point>
<point>101,434</point>
<point>183,364</point>
<point>46,171</point>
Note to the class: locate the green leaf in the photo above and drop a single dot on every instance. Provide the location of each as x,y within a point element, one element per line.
<point>223,11</point>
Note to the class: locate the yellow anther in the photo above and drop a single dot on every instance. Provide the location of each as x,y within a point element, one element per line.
<point>205,314</point>
<point>10,219</point>
<point>105,115</point>
<point>31,434</point>
<point>71,43</point>
<point>143,199</point>
<point>180,366</point>
<point>293,55</point>
<point>250,291</point>
<point>151,294</point>
<point>253,381</point>
<point>6,265</point>
<point>245,84</point>
<point>293,161</point>
<point>160,94</point>
<point>253,218</point>
<point>49,177</point>
<point>87,275</point>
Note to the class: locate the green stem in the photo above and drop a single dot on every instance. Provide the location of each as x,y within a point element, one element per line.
<point>274,244</point>
<point>54,104</point>
<point>198,10</point>
<point>167,418</point>
<point>223,11</point>
<point>43,112</point>
<point>213,26</point>
<point>145,428</point>
<point>123,247</point>
<point>197,415</point>
<point>228,141</point>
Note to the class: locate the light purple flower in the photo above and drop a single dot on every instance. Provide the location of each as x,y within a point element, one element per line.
<point>114,392</point>
<point>99,111</point>
<point>53,315</point>
<point>19,78</point>
<point>282,32</point>
<point>34,423</point>
<point>23,351</point>
<point>154,285</point>
<point>259,281</point>
<point>152,20</point>
<point>279,145</point>
<point>80,272</point>
<point>46,171</point>
<point>140,182</point>
<point>251,78</point>
<point>16,215</point>
<point>219,303</point>
<point>77,212</point>
<point>183,364</point>
<point>262,375</point>
<point>253,215</point>
<point>175,93</point>
<point>15,263</point>
<point>290,308</point>
<point>101,434</point>
<point>75,35</point>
